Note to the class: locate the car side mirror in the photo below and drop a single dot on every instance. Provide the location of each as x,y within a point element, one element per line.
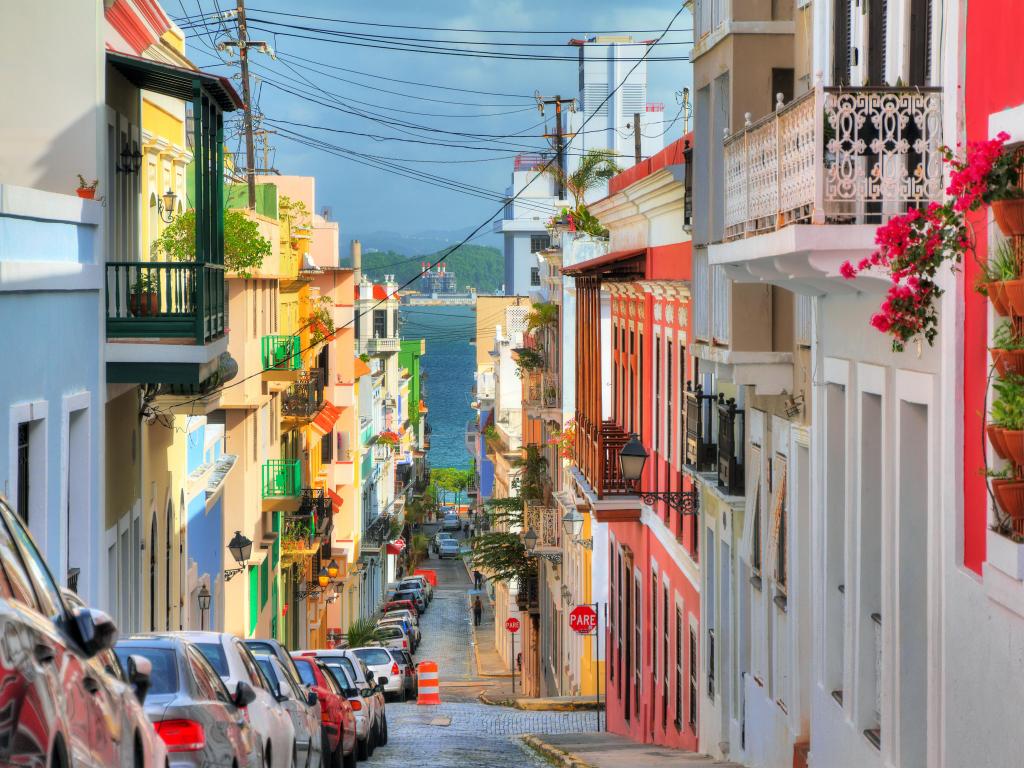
<point>312,699</point>
<point>96,631</point>
<point>244,695</point>
<point>281,696</point>
<point>366,693</point>
<point>140,671</point>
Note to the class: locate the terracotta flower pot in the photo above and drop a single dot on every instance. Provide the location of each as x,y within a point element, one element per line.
<point>1013,292</point>
<point>1010,497</point>
<point>1008,361</point>
<point>996,293</point>
<point>144,304</point>
<point>1013,439</point>
<point>995,437</point>
<point>1009,215</point>
<point>86,193</point>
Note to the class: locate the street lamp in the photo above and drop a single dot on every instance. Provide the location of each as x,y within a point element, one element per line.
<point>572,523</point>
<point>204,605</point>
<point>241,549</point>
<point>333,569</point>
<point>632,458</point>
<point>165,205</point>
<point>530,540</point>
<point>323,579</point>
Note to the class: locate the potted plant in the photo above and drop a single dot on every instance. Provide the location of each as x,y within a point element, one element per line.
<point>1005,192</point>
<point>1007,350</point>
<point>87,190</point>
<point>1007,415</point>
<point>144,301</point>
<point>1009,493</point>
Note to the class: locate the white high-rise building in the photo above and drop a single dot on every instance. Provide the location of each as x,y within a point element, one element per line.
<point>605,62</point>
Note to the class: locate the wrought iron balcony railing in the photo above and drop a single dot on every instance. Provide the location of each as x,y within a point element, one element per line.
<point>377,531</point>
<point>528,596</point>
<point>281,477</point>
<point>597,455</point>
<point>317,505</point>
<point>304,398</point>
<point>701,451</point>
<point>281,353</point>
<point>166,299</point>
<point>838,155</point>
<point>730,446</point>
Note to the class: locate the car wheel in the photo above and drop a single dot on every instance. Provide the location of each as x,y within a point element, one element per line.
<point>337,756</point>
<point>267,756</point>
<point>384,733</point>
<point>371,742</point>
<point>349,760</point>
<point>57,758</point>
<point>402,696</point>
<point>362,748</point>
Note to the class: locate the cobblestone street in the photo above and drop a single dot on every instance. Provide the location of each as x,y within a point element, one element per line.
<point>461,731</point>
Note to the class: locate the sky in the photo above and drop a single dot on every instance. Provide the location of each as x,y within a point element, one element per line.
<point>333,92</point>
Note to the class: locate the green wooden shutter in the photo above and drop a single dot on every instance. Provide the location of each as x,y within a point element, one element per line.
<point>264,582</point>
<point>275,549</point>
<point>254,604</point>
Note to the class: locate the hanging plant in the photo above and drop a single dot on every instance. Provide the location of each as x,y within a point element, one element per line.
<point>528,359</point>
<point>565,439</point>
<point>915,246</point>
<point>320,321</point>
<point>388,438</point>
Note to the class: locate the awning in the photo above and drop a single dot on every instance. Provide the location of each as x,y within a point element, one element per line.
<point>335,499</point>
<point>396,547</point>
<point>628,262</point>
<point>361,368</point>
<point>178,82</point>
<point>324,421</point>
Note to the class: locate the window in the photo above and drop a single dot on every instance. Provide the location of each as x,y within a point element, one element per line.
<point>17,575</point>
<point>638,642</point>
<point>539,243</point>
<point>23,471</point>
<point>755,542</point>
<point>664,657</point>
<point>152,574</point>
<point>167,565</point>
<point>671,413</point>
<point>778,540</point>
<point>658,414</point>
<point>679,667</point>
<point>47,594</point>
<point>654,623</point>
<point>693,673</point>
<point>305,667</point>
<point>380,323</point>
<point>614,603</point>
<point>214,653</point>
<point>534,276</point>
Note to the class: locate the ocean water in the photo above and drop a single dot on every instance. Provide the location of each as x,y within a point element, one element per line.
<point>449,365</point>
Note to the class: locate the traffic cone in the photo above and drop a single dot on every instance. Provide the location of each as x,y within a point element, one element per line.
<point>429,684</point>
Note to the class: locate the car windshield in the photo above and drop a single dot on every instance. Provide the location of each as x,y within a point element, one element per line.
<point>374,656</point>
<point>305,671</point>
<point>164,678</point>
<point>390,632</point>
<point>337,669</point>
<point>214,653</point>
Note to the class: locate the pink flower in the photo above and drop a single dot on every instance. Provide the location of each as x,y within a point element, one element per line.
<point>881,322</point>
<point>847,270</point>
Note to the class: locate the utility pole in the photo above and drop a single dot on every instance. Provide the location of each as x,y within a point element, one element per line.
<point>558,136</point>
<point>636,137</point>
<point>250,150</point>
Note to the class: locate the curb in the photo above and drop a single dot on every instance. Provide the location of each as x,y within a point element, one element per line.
<point>546,705</point>
<point>553,754</point>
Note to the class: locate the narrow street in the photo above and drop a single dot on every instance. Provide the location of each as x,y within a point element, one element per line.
<point>461,731</point>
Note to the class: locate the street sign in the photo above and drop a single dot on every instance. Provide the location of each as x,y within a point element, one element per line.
<point>512,625</point>
<point>583,619</point>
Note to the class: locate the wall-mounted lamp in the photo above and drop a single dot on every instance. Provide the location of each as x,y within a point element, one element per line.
<point>572,523</point>
<point>165,206</point>
<point>204,605</point>
<point>130,160</point>
<point>241,550</point>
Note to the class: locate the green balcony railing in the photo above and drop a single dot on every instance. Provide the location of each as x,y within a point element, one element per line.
<point>281,353</point>
<point>165,299</point>
<point>281,477</point>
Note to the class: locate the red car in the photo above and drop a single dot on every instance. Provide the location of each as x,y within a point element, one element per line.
<point>401,605</point>
<point>336,715</point>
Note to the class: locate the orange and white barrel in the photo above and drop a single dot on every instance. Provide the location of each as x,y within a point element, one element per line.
<point>429,683</point>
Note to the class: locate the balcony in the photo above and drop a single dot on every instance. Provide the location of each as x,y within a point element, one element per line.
<point>317,505</point>
<point>282,485</point>
<point>543,391</point>
<point>807,185</point>
<point>597,456</point>
<point>304,398</point>
<point>700,453</point>
<point>528,595</point>
<point>382,345</point>
<point>382,452</point>
<point>730,447</point>
<point>166,320</point>
<point>281,359</point>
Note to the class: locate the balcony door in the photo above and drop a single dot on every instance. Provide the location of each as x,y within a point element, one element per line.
<point>920,48</point>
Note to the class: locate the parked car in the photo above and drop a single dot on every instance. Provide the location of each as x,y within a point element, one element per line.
<point>54,704</point>
<point>393,636</point>
<point>338,720</point>
<point>439,537</point>
<point>421,581</point>
<point>451,523</point>
<point>403,613</point>
<point>404,605</point>
<point>404,660</point>
<point>449,549</point>
<point>269,645</point>
<point>199,721</point>
<point>303,706</point>
<point>372,694</point>
<point>415,595</point>
<point>234,663</point>
<point>411,629</point>
<point>384,669</point>
<point>363,702</point>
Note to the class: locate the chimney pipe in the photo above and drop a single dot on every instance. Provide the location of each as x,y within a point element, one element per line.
<point>357,261</point>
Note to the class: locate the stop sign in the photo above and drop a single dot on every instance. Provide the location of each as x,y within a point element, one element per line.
<point>512,625</point>
<point>583,619</point>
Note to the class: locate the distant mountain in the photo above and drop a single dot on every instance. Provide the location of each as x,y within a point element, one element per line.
<point>416,243</point>
<point>478,265</point>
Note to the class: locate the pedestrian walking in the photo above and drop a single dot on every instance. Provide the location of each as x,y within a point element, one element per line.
<point>477,579</point>
<point>478,609</point>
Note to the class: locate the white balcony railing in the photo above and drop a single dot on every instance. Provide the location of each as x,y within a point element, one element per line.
<point>376,346</point>
<point>837,155</point>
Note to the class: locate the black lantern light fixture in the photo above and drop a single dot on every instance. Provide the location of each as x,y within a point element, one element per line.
<point>130,160</point>
<point>530,540</point>
<point>323,579</point>
<point>572,523</point>
<point>332,569</point>
<point>632,459</point>
<point>165,205</point>
<point>315,588</point>
<point>241,549</point>
<point>204,605</point>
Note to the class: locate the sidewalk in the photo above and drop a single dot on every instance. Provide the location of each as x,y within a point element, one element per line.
<point>607,750</point>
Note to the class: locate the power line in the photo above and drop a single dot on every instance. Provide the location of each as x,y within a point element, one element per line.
<point>448,252</point>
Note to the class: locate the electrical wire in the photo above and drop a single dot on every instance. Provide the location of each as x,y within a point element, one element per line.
<point>474,233</point>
